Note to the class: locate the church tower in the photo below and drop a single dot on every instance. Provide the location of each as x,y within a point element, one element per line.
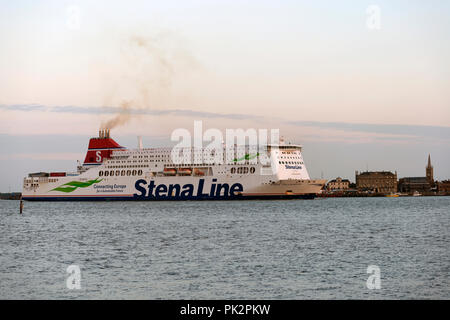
<point>429,172</point>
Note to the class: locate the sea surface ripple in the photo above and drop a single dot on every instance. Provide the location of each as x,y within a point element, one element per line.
<point>294,249</point>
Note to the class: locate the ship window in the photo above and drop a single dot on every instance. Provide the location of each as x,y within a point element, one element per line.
<point>140,173</point>
<point>128,172</point>
<point>245,170</point>
<point>111,173</point>
<point>117,172</point>
<point>100,173</point>
<point>252,170</point>
<point>134,172</point>
<point>233,170</point>
<point>122,173</point>
<point>106,173</point>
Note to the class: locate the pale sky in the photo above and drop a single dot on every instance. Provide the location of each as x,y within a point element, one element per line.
<point>355,97</point>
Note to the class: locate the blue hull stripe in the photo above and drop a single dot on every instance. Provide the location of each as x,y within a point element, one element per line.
<point>193,198</point>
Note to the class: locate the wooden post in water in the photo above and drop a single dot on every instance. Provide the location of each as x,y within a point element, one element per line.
<point>21,206</point>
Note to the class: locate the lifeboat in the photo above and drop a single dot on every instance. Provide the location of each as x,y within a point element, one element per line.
<point>170,171</point>
<point>199,172</point>
<point>185,171</point>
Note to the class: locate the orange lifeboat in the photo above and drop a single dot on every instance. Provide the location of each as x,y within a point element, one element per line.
<point>170,171</point>
<point>185,171</point>
<point>198,172</point>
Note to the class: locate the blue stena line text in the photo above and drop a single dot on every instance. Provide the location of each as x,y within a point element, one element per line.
<point>217,190</point>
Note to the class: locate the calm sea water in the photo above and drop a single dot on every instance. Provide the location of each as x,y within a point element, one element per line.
<point>298,249</point>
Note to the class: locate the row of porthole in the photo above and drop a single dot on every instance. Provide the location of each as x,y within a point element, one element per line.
<point>290,162</point>
<point>242,170</point>
<point>117,173</point>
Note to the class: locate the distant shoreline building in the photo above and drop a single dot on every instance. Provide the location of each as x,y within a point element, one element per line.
<point>376,181</point>
<point>443,187</point>
<point>10,196</point>
<point>412,184</point>
<point>338,184</point>
<point>418,184</point>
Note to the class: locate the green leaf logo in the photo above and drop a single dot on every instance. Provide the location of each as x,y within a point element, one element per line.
<point>246,157</point>
<point>74,185</point>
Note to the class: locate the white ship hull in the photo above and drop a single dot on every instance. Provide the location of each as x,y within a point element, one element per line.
<point>111,172</point>
<point>175,188</point>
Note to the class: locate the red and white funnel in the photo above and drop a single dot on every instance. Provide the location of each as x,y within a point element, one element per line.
<point>100,148</point>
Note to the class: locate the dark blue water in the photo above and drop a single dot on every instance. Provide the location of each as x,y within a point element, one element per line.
<point>299,249</point>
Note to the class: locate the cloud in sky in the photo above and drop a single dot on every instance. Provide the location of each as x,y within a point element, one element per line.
<point>314,61</point>
<point>310,130</point>
<point>42,156</point>
<point>132,111</point>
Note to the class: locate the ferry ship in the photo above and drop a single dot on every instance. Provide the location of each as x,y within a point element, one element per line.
<point>113,172</point>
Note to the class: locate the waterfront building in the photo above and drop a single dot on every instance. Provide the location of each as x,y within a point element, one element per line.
<point>376,181</point>
<point>338,184</point>
<point>444,187</point>
<point>413,184</point>
<point>418,184</point>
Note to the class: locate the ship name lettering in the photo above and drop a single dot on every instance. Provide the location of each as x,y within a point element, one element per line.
<point>217,190</point>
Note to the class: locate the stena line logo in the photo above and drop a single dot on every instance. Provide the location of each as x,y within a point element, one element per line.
<point>293,167</point>
<point>188,191</point>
